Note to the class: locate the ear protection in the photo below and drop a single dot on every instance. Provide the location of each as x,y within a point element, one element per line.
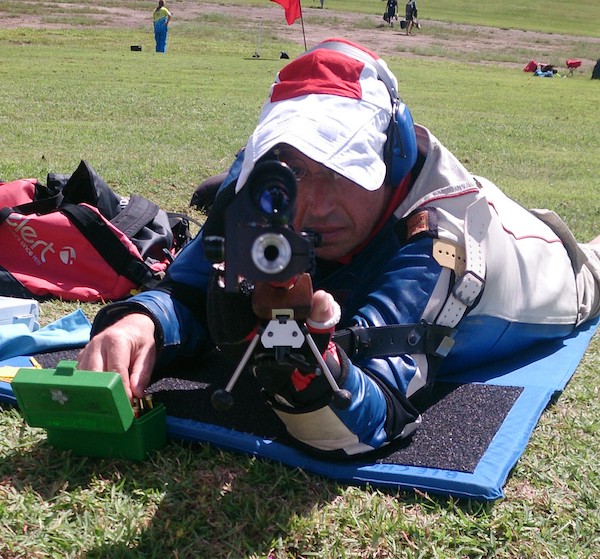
<point>400,150</point>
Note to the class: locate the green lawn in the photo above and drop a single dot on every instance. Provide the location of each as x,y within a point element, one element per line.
<point>157,125</point>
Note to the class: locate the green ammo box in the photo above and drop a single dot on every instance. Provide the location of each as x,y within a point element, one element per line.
<point>87,412</point>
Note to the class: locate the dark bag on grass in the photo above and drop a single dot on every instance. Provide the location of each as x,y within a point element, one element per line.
<point>76,239</point>
<point>596,71</point>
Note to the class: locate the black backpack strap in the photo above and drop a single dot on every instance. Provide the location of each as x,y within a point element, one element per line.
<point>135,215</point>
<point>180,226</point>
<point>94,229</point>
<point>4,213</point>
<point>397,339</point>
<point>40,206</point>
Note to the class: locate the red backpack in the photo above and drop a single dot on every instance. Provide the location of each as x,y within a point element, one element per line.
<point>75,239</point>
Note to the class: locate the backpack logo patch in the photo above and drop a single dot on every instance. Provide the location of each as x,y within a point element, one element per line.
<point>67,256</point>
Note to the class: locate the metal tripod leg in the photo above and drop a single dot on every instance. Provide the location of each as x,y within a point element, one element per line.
<point>222,399</point>
<point>341,398</point>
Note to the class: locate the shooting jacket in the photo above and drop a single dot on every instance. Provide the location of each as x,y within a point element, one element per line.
<point>457,253</point>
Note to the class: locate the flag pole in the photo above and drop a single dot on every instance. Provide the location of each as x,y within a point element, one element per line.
<point>302,21</point>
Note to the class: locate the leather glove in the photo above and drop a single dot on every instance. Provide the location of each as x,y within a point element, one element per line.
<point>295,379</point>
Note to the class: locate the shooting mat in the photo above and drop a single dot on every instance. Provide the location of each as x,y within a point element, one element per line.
<point>473,433</point>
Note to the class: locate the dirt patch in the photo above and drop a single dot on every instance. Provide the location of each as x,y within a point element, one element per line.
<point>476,44</point>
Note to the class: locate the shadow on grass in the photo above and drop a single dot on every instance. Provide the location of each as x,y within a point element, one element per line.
<point>187,500</point>
<point>226,508</point>
<point>184,501</point>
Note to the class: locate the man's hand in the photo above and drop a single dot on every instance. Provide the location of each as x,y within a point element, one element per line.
<point>126,347</point>
<point>325,311</point>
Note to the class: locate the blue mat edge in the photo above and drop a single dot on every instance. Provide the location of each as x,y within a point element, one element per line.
<point>6,393</point>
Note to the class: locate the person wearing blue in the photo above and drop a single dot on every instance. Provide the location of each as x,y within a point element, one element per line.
<point>423,269</point>
<point>161,18</point>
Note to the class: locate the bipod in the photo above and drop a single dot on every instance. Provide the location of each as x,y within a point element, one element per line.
<point>282,333</point>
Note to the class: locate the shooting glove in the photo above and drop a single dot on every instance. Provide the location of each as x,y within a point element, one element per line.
<point>297,381</point>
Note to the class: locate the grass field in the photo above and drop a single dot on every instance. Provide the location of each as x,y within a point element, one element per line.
<point>157,125</point>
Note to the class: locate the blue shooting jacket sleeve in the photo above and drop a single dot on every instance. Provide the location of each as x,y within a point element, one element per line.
<point>177,306</point>
<point>386,284</point>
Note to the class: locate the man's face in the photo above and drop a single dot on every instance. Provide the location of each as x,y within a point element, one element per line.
<point>343,213</point>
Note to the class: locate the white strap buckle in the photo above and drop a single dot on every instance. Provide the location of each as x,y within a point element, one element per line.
<point>468,287</point>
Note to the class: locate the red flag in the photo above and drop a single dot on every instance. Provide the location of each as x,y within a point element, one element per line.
<point>292,8</point>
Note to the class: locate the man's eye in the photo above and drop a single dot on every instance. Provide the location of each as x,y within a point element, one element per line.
<point>298,168</point>
<point>298,171</point>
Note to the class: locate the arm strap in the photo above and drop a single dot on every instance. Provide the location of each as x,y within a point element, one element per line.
<point>394,340</point>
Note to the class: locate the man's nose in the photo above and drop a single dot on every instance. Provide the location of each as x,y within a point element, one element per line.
<point>313,198</point>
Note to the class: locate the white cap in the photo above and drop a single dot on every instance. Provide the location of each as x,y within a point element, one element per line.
<point>331,107</point>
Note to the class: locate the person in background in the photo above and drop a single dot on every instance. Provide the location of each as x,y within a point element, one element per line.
<point>423,269</point>
<point>391,11</point>
<point>161,18</point>
<point>410,16</point>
